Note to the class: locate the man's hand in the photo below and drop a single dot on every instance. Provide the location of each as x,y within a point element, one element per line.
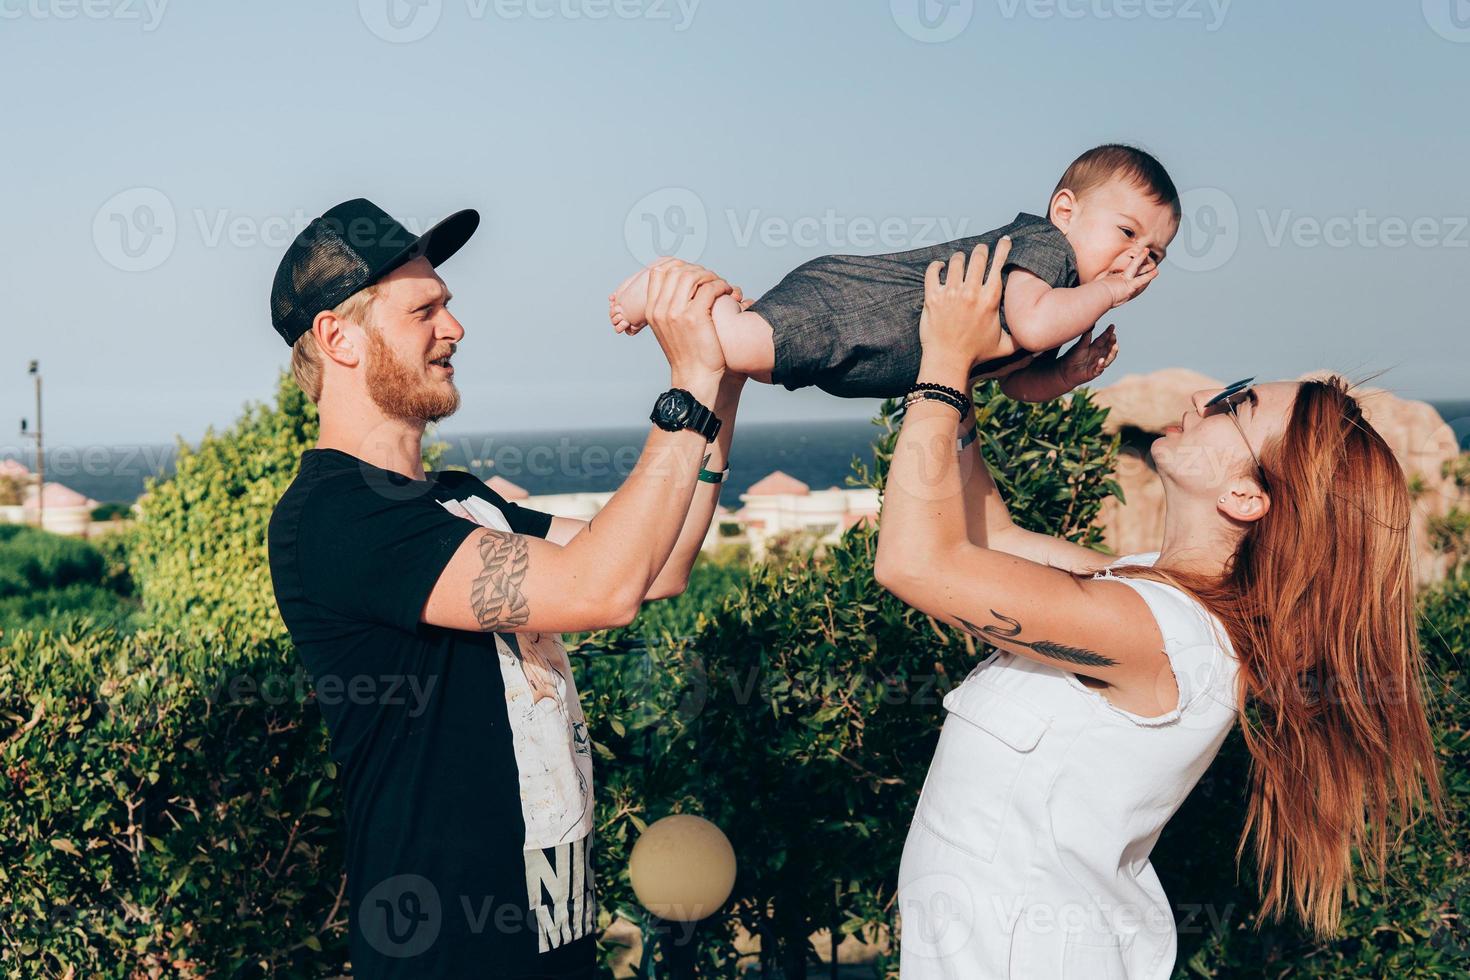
<point>680,297</point>
<point>1134,279</point>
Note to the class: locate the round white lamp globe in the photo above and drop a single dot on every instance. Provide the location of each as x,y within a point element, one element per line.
<point>682,868</point>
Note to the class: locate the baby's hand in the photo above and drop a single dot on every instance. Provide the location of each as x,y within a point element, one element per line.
<point>1132,280</point>
<point>1088,358</point>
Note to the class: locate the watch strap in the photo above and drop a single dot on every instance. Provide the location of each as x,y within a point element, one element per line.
<point>703,421</point>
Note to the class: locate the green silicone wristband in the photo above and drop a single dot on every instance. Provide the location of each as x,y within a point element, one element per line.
<point>713,476</point>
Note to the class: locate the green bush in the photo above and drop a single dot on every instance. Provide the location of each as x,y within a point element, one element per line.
<point>112,511</point>
<point>791,719</point>
<point>12,490</point>
<point>55,608</point>
<point>32,560</point>
<point>199,555</point>
<point>167,808</point>
<point>47,580</point>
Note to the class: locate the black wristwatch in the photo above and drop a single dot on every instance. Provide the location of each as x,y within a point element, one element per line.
<point>677,409</point>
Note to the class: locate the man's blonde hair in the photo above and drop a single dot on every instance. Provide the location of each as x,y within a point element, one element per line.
<point>306,354</point>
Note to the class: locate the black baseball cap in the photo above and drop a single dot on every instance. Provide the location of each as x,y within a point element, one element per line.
<point>348,248</point>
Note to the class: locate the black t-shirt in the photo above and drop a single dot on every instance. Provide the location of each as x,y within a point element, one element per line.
<point>464,755</point>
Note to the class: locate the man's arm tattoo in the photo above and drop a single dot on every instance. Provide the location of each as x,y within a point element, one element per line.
<point>495,594</point>
<point>1057,651</point>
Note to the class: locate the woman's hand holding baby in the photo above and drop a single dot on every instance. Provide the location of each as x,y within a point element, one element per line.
<point>960,325</point>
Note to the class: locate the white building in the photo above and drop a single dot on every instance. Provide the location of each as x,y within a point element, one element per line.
<point>776,506</point>
<point>65,510</point>
<point>779,505</point>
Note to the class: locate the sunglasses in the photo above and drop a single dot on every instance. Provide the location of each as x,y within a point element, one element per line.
<point>1229,397</point>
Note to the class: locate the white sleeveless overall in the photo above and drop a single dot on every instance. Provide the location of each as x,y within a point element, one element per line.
<point>1028,853</point>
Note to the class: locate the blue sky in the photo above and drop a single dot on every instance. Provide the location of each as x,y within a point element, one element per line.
<point>160,155</point>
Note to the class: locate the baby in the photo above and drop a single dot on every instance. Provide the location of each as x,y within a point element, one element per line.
<point>849,324</point>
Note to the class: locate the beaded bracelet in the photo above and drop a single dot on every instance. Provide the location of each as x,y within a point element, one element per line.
<point>931,386</point>
<point>918,396</point>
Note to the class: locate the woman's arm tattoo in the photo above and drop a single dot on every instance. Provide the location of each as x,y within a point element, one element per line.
<point>495,594</point>
<point>1056,651</point>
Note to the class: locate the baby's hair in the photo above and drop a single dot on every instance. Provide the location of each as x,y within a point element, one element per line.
<point>1103,163</point>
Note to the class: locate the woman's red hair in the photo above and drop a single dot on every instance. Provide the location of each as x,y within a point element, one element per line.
<point>1319,603</point>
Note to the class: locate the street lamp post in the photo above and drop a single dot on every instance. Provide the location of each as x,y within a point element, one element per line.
<point>682,870</point>
<point>35,372</point>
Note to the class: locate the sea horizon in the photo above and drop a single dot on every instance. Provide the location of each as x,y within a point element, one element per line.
<point>553,461</point>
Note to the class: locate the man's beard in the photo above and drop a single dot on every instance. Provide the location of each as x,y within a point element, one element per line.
<point>402,392</point>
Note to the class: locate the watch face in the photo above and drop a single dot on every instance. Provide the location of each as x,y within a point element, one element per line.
<point>674,407</point>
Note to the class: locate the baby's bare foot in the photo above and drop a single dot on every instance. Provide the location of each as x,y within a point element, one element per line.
<point>615,314</point>
<point>628,305</point>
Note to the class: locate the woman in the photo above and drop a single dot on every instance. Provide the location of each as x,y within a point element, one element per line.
<point>1283,583</point>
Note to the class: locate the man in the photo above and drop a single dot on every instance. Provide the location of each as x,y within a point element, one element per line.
<point>427,608</point>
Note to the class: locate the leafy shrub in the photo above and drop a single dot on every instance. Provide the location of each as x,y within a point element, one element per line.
<point>167,808</point>
<point>791,719</point>
<point>56,608</point>
<point>116,549</point>
<point>112,511</point>
<point>12,490</point>
<point>47,580</point>
<point>1449,534</point>
<point>32,560</point>
<point>199,555</point>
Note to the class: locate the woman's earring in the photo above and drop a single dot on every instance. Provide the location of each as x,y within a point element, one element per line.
<point>1222,500</point>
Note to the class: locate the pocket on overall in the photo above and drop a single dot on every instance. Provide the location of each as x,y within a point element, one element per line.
<point>1093,958</point>
<point>1040,947</point>
<point>987,740</point>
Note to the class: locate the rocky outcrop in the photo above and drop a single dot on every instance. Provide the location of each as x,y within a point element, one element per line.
<point>1142,405</point>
